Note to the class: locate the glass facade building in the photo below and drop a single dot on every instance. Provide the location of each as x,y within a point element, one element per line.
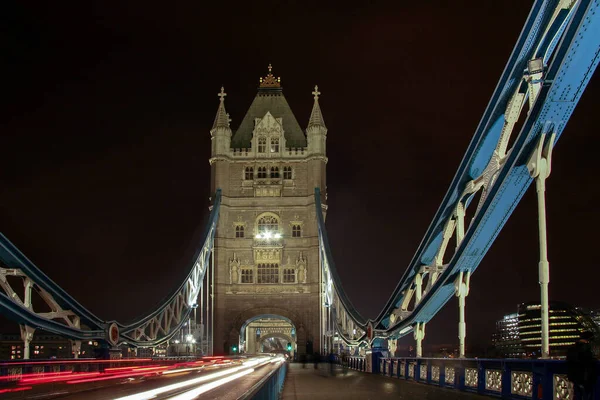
<point>520,335</point>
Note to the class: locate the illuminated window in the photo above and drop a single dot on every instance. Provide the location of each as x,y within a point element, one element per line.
<point>262,172</point>
<point>249,173</point>
<point>239,231</point>
<point>268,223</point>
<point>267,273</point>
<point>296,231</point>
<point>274,172</point>
<point>262,144</point>
<point>287,172</point>
<point>247,275</point>
<point>274,145</point>
<point>289,275</point>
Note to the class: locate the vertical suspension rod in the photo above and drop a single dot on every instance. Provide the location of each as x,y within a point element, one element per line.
<point>539,166</point>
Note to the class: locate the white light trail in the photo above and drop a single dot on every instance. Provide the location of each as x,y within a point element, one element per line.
<point>154,392</point>
<point>192,394</point>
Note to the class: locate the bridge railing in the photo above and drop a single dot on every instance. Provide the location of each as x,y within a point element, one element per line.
<point>269,387</point>
<point>508,378</point>
<point>357,363</point>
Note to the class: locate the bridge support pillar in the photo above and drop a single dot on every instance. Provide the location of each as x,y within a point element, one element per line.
<point>76,348</point>
<point>461,288</point>
<point>419,334</point>
<point>26,337</point>
<point>539,166</point>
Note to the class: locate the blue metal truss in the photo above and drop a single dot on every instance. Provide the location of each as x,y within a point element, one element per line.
<point>76,322</point>
<point>550,66</point>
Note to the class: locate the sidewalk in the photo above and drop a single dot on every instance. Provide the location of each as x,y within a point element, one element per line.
<point>312,384</point>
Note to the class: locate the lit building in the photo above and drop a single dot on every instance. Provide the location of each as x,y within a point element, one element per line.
<point>266,250</point>
<point>43,346</point>
<point>506,339</point>
<point>520,334</point>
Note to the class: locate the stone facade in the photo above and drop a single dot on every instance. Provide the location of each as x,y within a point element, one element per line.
<point>266,247</point>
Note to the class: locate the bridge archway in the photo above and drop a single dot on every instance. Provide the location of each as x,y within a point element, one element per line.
<point>268,332</point>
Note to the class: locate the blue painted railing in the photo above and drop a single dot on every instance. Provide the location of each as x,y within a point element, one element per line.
<point>270,387</point>
<point>506,378</point>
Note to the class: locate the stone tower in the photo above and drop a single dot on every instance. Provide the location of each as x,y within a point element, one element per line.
<point>266,247</point>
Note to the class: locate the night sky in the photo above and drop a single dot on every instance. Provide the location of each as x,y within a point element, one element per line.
<point>105,142</point>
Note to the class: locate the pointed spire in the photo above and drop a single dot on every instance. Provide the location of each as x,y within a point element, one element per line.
<point>316,117</point>
<point>222,119</point>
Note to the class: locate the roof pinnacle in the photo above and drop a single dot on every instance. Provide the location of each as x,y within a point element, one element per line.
<point>270,81</point>
<point>222,94</point>
<point>316,92</point>
<point>222,119</point>
<point>316,117</point>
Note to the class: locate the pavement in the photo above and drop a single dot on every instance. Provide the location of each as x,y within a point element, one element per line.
<point>316,384</point>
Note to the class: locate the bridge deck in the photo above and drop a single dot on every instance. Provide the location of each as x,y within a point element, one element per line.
<point>316,384</point>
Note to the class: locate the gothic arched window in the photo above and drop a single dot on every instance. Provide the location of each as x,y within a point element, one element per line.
<point>239,231</point>
<point>274,145</point>
<point>289,275</point>
<point>268,223</point>
<point>249,173</point>
<point>262,172</point>
<point>287,172</point>
<point>247,275</point>
<point>274,172</point>
<point>296,230</point>
<point>262,144</point>
<point>267,273</point>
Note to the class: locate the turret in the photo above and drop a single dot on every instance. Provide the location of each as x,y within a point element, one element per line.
<point>221,132</point>
<point>316,132</point>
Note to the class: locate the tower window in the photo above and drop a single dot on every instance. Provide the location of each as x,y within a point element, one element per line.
<point>268,223</point>
<point>239,231</point>
<point>249,173</point>
<point>262,144</point>
<point>296,230</point>
<point>289,275</point>
<point>287,172</point>
<point>262,172</point>
<point>267,273</point>
<point>274,172</point>
<point>274,145</point>
<point>247,275</point>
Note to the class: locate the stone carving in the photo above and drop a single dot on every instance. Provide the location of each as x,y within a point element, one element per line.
<point>234,268</point>
<point>471,377</point>
<point>267,125</point>
<point>493,380</point>
<point>450,375</point>
<point>563,388</point>
<point>522,383</point>
<point>301,268</point>
<point>272,255</point>
<point>435,373</point>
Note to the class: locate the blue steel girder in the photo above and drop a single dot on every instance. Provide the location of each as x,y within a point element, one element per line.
<point>76,322</point>
<point>550,66</point>
<point>553,93</point>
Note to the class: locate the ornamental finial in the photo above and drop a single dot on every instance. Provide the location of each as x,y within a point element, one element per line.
<point>222,94</point>
<point>316,93</point>
<point>270,81</point>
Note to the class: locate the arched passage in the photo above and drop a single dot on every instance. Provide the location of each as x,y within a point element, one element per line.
<point>267,333</point>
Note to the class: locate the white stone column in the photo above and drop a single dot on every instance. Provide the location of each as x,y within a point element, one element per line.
<point>461,287</point>
<point>419,335</point>
<point>26,337</point>
<point>539,166</point>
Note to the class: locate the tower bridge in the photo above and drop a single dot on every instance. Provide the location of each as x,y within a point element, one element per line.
<point>264,268</point>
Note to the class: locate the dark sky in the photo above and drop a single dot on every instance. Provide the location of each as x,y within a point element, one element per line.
<point>105,136</point>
